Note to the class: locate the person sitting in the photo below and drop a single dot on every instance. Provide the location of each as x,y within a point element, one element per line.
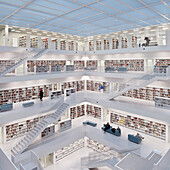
<point>138,135</point>
<point>107,126</point>
<point>113,130</point>
<point>119,129</point>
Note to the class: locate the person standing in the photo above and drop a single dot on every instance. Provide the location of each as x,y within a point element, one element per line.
<point>41,94</point>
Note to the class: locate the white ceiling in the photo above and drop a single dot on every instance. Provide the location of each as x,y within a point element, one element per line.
<point>84,17</point>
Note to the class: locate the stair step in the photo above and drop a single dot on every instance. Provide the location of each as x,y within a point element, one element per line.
<point>44,121</point>
<point>15,150</point>
<point>22,144</point>
<point>36,130</point>
<point>30,136</point>
<point>40,126</point>
<point>18,146</point>
<point>24,141</point>
<point>33,131</point>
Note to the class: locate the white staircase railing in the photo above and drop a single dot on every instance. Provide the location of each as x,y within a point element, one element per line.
<point>22,61</point>
<point>99,159</point>
<point>35,132</point>
<point>148,79</point>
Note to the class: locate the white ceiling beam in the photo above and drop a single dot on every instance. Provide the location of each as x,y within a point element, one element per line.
<point>154,10</point>
<point>64,13</point>
<point>29,2</point>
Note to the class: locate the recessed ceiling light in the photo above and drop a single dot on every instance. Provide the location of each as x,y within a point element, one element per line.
<point>28,32</point>
<point>17,31</point>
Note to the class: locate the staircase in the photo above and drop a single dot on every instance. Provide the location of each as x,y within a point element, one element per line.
<point>22,61</point>
<point>36,131</point>
<point>147,80</point>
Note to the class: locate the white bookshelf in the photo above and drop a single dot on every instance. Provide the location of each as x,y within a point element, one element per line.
<point>67,150</point>
<point>98,147</point>
<point>162,102</point>
<point>4,64</point>
<point>77,111</point>
<point>65,125</point>
<point>23,41</point>
<point>131,65</point>
<point>148,93</point>
<point>23,94</point>
<point>146,126</point>
<point>56,94</point>
<point>49,131</point>
<point>15,130</point>
<point>94,111</point>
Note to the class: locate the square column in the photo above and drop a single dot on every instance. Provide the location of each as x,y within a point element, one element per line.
<point>67,45</point>
<point>168,38</point>
<point>74,48</point>
<point>6,35</point>
<point>110,43</point>
<point>102,44</point>
<point>94,45</point>
<point>28,41</point>
<point>49,43</point>
<point>58,44</point>
<point>129,41</point>
<point>39,42</point>
<point>120,42</point>
<point>87,46</point>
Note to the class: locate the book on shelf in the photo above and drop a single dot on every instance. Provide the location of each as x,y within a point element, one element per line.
<point>49,131</point>
<point>91,45</point>
<point>93,111</point>
<point>77,111</point>
<point>79,65</point>
<point>23,94</point>
<point>65,125</point>
<point>139,124</point>
<point>67,150</point>
<point>5,64</point>
<point>34,42</point>
<point>19,129</point>
<point>71,45</point>
<point>23,41</point>
<point>130,65</point>
<point>63,45</point>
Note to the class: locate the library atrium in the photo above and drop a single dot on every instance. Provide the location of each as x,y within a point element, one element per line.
<point>84,84</point>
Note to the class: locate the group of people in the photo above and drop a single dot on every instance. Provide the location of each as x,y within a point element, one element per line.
<point>113,129</point>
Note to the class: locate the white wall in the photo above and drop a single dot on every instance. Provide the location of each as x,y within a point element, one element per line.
<point>5,163</point>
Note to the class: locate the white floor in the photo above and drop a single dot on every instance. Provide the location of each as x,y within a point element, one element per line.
<point>73,161</point>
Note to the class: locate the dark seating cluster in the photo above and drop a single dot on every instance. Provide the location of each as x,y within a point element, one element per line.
<point>117,132</point>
